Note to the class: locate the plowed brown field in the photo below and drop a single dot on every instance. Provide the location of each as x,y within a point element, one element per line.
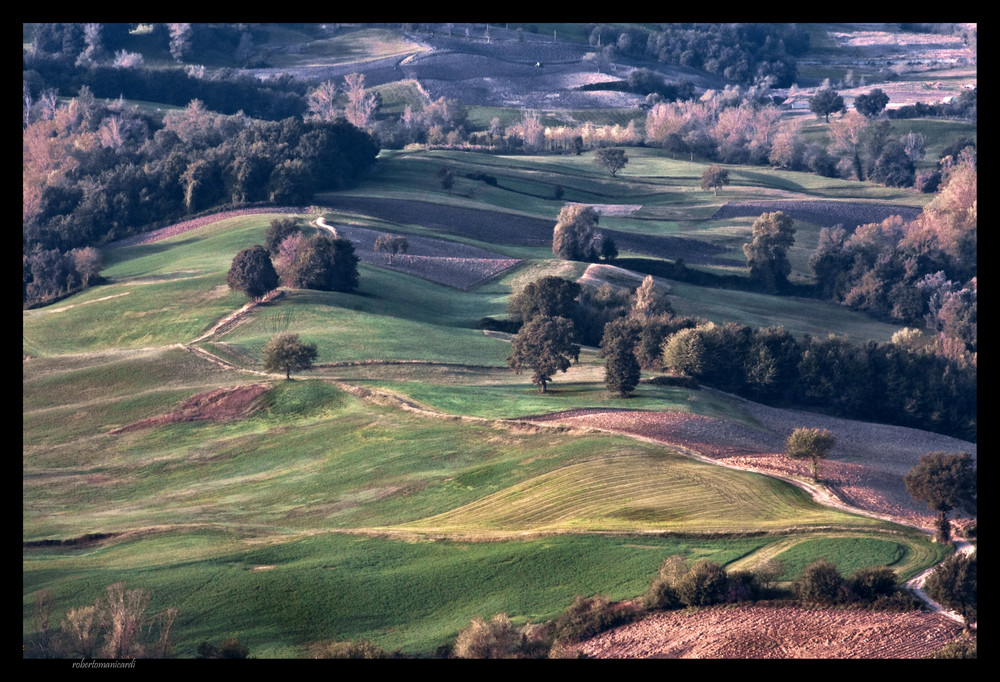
<point>754,632</point>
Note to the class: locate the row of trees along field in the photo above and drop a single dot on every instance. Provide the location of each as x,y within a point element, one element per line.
<point>901,382</point>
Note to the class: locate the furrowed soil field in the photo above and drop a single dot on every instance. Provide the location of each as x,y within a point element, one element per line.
<point>759,632</point>
<point>456,265</point>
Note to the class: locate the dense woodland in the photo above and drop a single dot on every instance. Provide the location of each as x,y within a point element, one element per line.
<point>97,168</point>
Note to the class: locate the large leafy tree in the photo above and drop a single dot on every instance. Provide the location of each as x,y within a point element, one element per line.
<point>945,482</point>
<point>545,345</point>
<point>812,444</point>
<point>767,251</point>
<point>714,177</point>
<point>611,159</point>
<point>548,296</point>
<point>252,272</point>
<point>621,368</point>
<point>573,237</point>
<point>285,352</point>
<point>325,263</point>
<point>826,102</point>
<point>872,104</point>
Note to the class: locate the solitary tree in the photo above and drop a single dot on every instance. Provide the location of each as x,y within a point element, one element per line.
<point>545,345</point>
<point>573,236</point>
<point>767,260</point>
<point>814,444</point>
<point>621,368</point>
<point>826,102</point>
<point>714,177</point>
<point>286,353</point>
<point>391,244</point>
<point>946,482</point>
<point>611,159</point>
<point>252,272</point>
<point>872,104</point>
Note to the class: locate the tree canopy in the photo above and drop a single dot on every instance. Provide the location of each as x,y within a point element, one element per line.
<point>945,482</point>
<point>545,345</point>
<point>573,237</point>
<point>954,584</point>
<point>811,443</point>
<point>611,159</point>
<point>285,352</point>
<point>714,177</point>
<point>621,368</point>
<point>252,272</point>
<point>325,263</point>
<point>872,104</point>
<point>826,102</point>
<point>548,296</point>
<point>767,260</point>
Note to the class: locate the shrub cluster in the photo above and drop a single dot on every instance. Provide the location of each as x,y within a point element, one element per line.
<point>822,584</point>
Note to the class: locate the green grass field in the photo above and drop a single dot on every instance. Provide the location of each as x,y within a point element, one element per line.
<point>323,515</point>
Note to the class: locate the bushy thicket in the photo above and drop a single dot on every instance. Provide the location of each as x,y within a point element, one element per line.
<point>116,625</point>
<point>821,583</point>
<point>702,583</point>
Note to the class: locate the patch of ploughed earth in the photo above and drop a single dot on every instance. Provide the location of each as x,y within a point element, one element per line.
<point>770,632</point>
<point>221,404</point>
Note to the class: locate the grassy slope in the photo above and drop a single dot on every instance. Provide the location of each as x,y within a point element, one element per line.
<point>202,504</point>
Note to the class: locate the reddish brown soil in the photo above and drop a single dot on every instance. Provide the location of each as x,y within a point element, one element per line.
<point>218,405</point>
<point>748,632</point>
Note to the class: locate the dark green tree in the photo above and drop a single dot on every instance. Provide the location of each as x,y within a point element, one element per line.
<point>872,104</point>
<point>812,444</point>
<point>252,272</point>
<point>826,102</point>
<point>767,251</point>
<point>609,250</point>
<point>545,345</point>
<point>611,159</point>
<point>325,263</point>
<point>548,296</point>
<point>285,352</point>
<point>945,482</point>
<point>277,231</point>
<point>869,583</point>
<point>954,585</point>
<point>705,583</point>
<point>820,583</point>
<point>621,368</point>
